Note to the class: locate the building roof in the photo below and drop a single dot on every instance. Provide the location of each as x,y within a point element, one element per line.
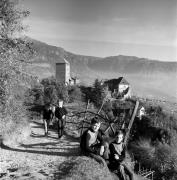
<point>120,80</point>
<point>62,61</point>
<point>74,78</point>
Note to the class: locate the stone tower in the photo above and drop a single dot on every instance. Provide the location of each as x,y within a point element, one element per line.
<point>63,71</point>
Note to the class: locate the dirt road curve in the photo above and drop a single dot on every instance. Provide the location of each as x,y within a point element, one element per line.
<point>38,157</point>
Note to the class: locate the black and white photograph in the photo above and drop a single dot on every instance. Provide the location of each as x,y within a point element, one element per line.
<point>88,89</point>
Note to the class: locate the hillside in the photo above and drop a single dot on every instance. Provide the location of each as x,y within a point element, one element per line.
<point>46,56</point>
<point>150,78</point>
<point>131,64</point>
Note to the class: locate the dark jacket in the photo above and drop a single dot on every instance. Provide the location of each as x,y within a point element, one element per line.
<point>60,111</point>
<point>47,114</point>
<point>118,149</point>
<point>84,145</point>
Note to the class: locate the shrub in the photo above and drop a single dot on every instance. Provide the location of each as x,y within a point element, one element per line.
<point>143,151</point>
<point>50,95</point>
<point>75,93</point>
<point>160,157</point>
<point>34,95</point>
<point>59,89</point>
<point>96,94</point>
<point>165,161</point>
<point>87,93</point>
<point>14,125</point>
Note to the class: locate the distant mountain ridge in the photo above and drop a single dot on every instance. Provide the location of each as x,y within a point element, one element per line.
<point>148,78</point>
<point>122,64</point>
<point>130,64</point>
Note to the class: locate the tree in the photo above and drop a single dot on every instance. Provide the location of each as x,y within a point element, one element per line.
<point>15,50</point>
<point>57,89</point>
<point>34,96</point>
<point>75,93</point>
<point>50,95</point>
<point>95,94</point>
<point>98,93</point>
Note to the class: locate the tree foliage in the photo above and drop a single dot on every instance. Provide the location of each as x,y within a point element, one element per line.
<point>94,94</point>
<point>75,93</point>
<point>15,50</point>
<point>98,93</point>
<point>54,90</point>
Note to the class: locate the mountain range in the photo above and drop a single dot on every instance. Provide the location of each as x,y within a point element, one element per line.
<point>151,78</point>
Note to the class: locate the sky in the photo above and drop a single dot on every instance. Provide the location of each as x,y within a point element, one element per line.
<point>142,28</point>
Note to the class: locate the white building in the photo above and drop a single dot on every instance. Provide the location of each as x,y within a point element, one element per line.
<point>119,87</point>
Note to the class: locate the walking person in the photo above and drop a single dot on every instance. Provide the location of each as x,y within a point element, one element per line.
<point>60,114</point>
<point>47,116</point>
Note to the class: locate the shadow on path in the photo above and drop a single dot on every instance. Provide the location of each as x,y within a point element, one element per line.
<point>71,152</point>
<point>62,147</point>
<point>34,135</point>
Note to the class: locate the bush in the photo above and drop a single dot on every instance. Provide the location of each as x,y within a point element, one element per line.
<point>75,93</point>
<point>143,151</point>
<point>48,91</point>
<point>50,95</point>
<point>58,90</point>
<point>98,93</point>
<point>34,95</point>
<point>94,94</point>
<point>14,127</point>
<point>160,157</point>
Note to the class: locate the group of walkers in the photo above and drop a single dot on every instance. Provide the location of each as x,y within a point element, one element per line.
<point>112,152</point>
<point>59,112</point>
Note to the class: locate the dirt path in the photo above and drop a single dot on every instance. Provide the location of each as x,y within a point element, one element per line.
<point>38,157</point>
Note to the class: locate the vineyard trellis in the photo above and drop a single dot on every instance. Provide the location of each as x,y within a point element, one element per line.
<point>81,120</point>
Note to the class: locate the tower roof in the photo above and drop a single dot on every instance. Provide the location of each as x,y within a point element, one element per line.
<point>62,61</point>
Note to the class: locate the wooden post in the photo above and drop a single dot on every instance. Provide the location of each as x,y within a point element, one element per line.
<point>131,122</point>
<point>84,117</point>
<point>101,106</point>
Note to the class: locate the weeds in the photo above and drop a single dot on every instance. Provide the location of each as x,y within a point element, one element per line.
<point>161,157</point>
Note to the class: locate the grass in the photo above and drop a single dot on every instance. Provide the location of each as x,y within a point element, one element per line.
<point>85,168</point>
<point>14,126</point>
<point>161,157</point>
<point>82,167</point>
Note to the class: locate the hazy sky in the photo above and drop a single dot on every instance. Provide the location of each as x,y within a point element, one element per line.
<point>143,28</point>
